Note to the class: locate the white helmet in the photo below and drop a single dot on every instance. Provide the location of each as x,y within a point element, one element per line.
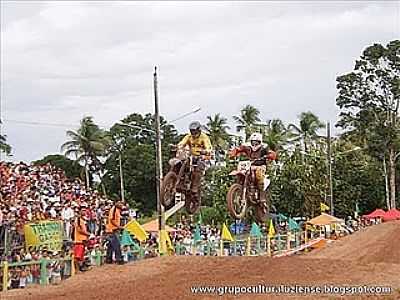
<point>256,141</point>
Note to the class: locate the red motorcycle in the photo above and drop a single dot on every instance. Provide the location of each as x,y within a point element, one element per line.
<point>244,193</point>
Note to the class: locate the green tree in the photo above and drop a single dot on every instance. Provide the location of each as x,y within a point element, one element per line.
<point>369,99</point>
<point>4,147</point>
<point>136,144</point>
<point>86,144</point>
<point>217,129</point>
<point>248,120</point>
<point>276,135</point>
<point>307,131</point>
<point>71,169</point>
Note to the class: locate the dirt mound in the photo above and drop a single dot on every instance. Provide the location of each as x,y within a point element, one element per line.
<point>370,257</point>
<point>376,244</point>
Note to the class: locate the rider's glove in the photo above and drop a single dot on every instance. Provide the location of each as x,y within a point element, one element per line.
<point>232,153</point>
<point>271,155</point>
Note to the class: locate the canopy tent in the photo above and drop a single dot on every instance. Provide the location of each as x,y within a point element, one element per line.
<point>152,226</point>
<point>377,213</point>
<point>391,215</point>
<point>325,219</point>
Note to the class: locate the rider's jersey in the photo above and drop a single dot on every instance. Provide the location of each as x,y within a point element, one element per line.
<point>253,155</point>
<point>196,144</point>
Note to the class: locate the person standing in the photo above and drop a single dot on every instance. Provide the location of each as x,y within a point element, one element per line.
<point>113,228</point>
<point>80,237</point>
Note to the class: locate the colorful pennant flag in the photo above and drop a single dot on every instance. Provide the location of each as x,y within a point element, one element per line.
<point>255,230</point>
<point>226,234</point>
<point>197,236</point>
<point>293,226</point>
<point>324,207</point>
<point>271,229</point>
<point>133,227</point>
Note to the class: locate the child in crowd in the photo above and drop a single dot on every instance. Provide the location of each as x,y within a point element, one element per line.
<point>22,278</point>
<point>55,269</point>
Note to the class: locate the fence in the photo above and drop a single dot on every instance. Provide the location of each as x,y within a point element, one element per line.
<point>252,246</point>
<point>43,271</point>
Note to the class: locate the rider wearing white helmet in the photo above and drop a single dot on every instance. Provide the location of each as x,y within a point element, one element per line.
<point>257,151</point>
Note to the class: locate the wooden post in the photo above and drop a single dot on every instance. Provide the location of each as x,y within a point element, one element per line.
<point>269,252</point>
<point>248,246</point>
<point>98,258</point>
<point>288,240</point>
<point>258,245</point>
<point>73,271</point>
<point>221,247</point>
<point>43,271</point>
<point>5,276</point>
<point>305,238</point>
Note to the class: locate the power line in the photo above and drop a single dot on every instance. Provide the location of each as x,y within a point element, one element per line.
<point>40,123</point>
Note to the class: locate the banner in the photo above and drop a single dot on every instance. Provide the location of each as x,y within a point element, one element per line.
<point>44,235</point>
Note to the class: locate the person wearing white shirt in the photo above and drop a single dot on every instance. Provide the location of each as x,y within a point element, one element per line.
<point>67,215</point>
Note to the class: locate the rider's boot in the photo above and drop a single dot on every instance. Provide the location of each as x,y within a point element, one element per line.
<point>263,196</point>
<point>196,178</point>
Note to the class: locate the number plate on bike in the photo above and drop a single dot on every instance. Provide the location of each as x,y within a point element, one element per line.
<point>244,165</point>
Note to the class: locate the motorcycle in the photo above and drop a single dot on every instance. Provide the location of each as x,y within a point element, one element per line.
<point>176,185</point>
<point>244,193</point>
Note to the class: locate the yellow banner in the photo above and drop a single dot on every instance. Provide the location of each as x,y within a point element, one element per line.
<point>44,235</point>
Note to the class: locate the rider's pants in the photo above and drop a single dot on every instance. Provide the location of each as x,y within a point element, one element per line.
<point>260,175</point>
<point>197,174</point>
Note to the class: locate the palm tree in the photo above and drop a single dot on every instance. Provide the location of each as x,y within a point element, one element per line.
<point>307,131</point>
<point>4,147</point>
<point>275,134</point>
<point>217,130</point>
<point>248,120</point>
<point>86,144</point>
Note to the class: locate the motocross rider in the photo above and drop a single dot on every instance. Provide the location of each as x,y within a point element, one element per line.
<point>257,151</point>
<point>199,144</point>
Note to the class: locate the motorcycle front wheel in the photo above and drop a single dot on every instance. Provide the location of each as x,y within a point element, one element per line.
<point>167,195</point>
<point>236,207</point>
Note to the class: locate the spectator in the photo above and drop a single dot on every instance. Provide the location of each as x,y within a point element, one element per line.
<point>113,228</point>
<point>80,237</point>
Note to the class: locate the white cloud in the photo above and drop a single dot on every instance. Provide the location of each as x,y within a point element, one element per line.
<point>63,60</point>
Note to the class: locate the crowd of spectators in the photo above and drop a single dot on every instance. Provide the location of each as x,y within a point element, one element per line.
<point>32,193</point>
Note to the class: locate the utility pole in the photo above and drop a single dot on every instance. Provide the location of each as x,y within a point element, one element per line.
<point>121,176</point>
<point>328,127</point>
<point>160,208</point>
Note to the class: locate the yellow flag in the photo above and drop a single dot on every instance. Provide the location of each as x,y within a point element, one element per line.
<point>133,227</point>
<point>165,242</point>
<point>226,234</point>
<point>271,229</point>
<point>324,207</point>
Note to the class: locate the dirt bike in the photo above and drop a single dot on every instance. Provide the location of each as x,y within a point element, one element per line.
<point>245,193</point>
<point>176,185</point>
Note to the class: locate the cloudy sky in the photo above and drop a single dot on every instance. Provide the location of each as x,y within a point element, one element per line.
<point>63,60</point>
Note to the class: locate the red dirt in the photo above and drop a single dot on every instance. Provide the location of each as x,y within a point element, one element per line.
<point>369,257</point>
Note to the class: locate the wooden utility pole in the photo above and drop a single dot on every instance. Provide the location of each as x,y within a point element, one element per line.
<point>160,208</point>
<point>328,127</point>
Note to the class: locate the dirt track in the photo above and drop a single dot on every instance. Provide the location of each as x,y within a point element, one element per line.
<point>369,257</point>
